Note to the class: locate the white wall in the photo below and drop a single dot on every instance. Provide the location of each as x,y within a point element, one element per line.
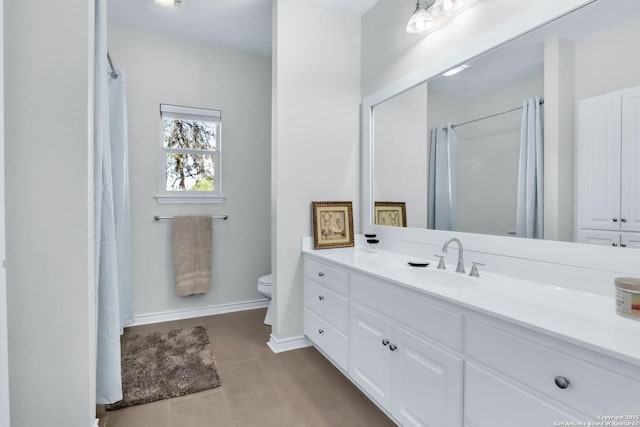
<point>165,69</point>
<point>401,153</point>
<point>559,140</point>
<point>49,211</point>
<point>601,69</point>
<point>316,94</point>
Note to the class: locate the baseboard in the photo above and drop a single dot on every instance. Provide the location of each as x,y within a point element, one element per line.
<point>189,313</point>
<point>96,423</point>
<point>280,345</point>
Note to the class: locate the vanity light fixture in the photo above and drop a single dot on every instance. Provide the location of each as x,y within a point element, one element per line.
<point>456,70</point>
<point>428,13</point>
<point>169,3</point>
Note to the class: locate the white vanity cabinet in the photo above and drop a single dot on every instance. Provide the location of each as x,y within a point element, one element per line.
<point>326,310</point>
<point>414,380</point>
<point>430,362</point>
<point>608,190</point>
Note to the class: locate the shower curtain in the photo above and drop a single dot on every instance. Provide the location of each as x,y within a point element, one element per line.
<point>442,178</point>
<point>112,224</point>
<point>530,204</point>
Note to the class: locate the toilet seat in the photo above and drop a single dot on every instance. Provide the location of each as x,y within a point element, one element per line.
<point>266,280</point>
<point>265,285</point>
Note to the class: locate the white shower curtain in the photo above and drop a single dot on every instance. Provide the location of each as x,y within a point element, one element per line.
<point>442,179</point>
<point>112,219</point>
<point>530,204</point>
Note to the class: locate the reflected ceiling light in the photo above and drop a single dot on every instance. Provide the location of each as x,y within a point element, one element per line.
<point>456,70</point>
<point>168,3</point>
<point>429,13</point>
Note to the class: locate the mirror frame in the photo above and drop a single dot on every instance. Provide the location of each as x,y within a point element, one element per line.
<point>534,18</point>
<point>581,255</point>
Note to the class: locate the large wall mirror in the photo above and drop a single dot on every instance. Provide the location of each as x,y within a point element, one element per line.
<point>523,140</point>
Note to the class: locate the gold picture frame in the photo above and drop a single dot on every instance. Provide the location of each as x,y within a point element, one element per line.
<point>332,225</point>
<point>390,213</point>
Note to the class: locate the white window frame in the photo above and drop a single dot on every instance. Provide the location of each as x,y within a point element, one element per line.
<point>190,113</point>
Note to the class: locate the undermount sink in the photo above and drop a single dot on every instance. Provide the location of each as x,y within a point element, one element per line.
<point>429,276</point>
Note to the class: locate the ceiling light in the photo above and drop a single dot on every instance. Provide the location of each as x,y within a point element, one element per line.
<point>429,13</point>
<point>168,3</point>
<point>448,7</point>
<point>421,21</point>
<point>456,70</point>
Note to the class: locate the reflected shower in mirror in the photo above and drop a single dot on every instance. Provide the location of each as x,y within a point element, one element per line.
<point>490,147</point>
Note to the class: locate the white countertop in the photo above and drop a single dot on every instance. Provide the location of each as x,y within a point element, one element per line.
<point>582,318</point>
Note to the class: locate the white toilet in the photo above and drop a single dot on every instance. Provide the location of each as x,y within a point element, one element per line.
<point>265,284</point>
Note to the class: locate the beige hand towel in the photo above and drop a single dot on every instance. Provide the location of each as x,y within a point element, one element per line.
<point>192,239</point>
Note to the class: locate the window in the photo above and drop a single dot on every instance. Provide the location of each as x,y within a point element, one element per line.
<point>191,149</point>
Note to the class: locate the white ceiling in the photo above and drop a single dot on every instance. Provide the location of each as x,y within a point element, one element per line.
<point>236,24</point>
<point>523,57</point>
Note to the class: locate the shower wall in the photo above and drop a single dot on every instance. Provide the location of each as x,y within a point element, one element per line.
<point>488,151</point>
<point>165,69</point>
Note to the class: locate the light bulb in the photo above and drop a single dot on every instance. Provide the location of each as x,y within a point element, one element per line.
<point>421,21</point>
<point>165,3</point>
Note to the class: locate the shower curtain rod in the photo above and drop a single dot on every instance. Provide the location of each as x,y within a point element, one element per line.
<point>114,73</point>
<point>158,218</point>
<point>492,115</point>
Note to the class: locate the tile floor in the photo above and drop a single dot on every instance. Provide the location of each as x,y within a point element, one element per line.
<point>260,388</point>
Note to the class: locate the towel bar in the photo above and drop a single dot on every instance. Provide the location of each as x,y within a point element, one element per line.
<point>158,218</point>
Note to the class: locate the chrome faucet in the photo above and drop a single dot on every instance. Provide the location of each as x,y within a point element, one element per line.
<point>460,267</point>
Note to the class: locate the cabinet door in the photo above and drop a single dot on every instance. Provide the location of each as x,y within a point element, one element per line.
<point>427,383</point>
<point>630,195</point>
<point>369,356</point>
<point>630,240</point>
<point>599,163</point>
<point>491,401</point>
<point>598,237</point>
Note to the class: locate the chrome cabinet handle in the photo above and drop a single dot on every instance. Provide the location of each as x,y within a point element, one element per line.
<point>321,274</point>
<point>321,298</point>
<point>321,331</point>
<point>614,244</point>
<point>385,342</point>
<point>623,219</point>
<point>393,347</point>
<point>623,245</point>
<point>615,219</point>
<point>561,382</point>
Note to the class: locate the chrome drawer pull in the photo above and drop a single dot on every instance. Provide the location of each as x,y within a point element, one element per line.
<point>385,342</point>
<point>321,298</point>
<point>321,331</point>
<point>393,347</point>
<point>321,274</point>
<point>615,219</point>
<point>562,382</point>
<point>623,219</point>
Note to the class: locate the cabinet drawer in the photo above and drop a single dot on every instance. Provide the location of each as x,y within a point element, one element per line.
<point>592,389</point>
<point>327,304</point>
<point>414,311</point>
<point>327,276</point>
<point>493,402</point>
<point>327,338</point>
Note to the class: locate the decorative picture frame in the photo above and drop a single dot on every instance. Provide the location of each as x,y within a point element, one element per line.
<point>332,225</point>
<point>390,213</point>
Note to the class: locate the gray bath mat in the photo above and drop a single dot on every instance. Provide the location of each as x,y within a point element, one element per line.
<point>162,365</point>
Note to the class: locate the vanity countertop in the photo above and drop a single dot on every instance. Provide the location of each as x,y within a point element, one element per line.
<point>581,318</point>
